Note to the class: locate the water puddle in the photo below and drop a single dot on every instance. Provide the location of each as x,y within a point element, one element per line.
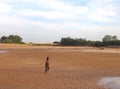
<point>110,82</point>
<point>3,51</point>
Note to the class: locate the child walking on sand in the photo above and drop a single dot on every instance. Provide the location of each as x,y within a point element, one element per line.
<point>47,65</point>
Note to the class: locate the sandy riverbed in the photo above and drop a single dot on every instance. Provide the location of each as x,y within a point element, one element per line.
<point>70,67</point>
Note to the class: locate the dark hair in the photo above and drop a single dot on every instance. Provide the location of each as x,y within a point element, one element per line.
<point>47,58</point>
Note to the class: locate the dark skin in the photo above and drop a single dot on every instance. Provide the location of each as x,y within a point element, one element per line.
<point>47,65</point>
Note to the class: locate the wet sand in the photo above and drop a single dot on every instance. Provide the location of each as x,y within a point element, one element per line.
<point>111,82</point>
<point>3,51</point>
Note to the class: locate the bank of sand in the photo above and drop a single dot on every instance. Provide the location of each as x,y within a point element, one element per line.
<point>70,67</point>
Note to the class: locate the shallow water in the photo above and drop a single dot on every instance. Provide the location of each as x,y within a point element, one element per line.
<point>3,51</point>
<point>110,82</point>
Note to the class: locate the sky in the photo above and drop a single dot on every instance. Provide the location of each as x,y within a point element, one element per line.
<point>50,20</point>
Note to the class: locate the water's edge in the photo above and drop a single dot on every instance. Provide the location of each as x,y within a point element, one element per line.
<point>110,82</point>
<point>3,51</point>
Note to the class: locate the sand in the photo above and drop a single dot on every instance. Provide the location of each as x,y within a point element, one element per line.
<point>70,67</point>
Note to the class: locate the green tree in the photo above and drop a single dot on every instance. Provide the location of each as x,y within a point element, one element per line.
<point>114,38</point>
<point>67,41</point>
<point>98,43</point>
<point>73,42</point>
<point>11,39</point>
<point>15,38</point>
<point>3,38</point>
<point>107,38</point>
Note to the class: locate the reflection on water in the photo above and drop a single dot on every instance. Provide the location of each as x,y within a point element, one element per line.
<point>3,51</point>
<point>111,82</point>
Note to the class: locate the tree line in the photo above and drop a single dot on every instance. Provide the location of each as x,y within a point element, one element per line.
<point>107,40</point>
<point>11,39</point>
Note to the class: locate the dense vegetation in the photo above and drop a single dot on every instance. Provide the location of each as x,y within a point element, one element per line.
<point>108,40</point>
<point>11,39</point>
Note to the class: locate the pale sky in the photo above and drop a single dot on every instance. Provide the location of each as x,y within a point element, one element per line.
<point>50,20</point>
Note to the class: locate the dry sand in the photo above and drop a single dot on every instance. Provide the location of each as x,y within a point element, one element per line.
<point>70,67</point>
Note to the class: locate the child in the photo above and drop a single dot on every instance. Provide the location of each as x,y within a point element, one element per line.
<point>47,64</point>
